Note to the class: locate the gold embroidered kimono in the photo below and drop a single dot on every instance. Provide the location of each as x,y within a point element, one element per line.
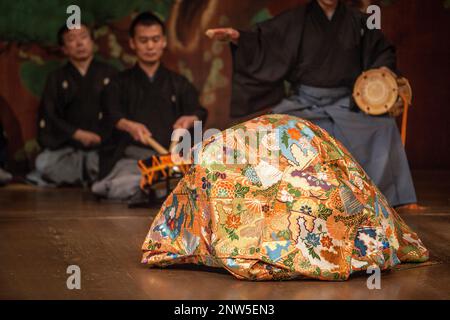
<point>312,214</point>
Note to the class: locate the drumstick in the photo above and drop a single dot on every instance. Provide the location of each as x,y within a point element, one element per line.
<point>155,145</point>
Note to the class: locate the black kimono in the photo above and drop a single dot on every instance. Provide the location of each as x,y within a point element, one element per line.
<point>72,101</point>
<point>69,102</point>
<point>321,59</point>
<point>301,46</point>
<point>157,103</point>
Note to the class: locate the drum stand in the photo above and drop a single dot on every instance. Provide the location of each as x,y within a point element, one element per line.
<point>160,168</point>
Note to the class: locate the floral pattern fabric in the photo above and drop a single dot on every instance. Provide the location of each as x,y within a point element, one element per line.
<point>315,214</point>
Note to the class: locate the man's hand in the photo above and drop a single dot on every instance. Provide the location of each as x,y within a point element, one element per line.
<point>185,122</point>
<point>87,138</point>
<point>224,34</point>
<point>137,130</point>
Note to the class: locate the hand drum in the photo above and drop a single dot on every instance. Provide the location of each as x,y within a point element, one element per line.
<point>379,91</point>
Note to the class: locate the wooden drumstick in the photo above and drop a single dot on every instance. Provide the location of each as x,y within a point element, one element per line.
<point>155,145</point>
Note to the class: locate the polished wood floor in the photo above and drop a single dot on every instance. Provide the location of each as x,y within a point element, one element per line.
<point>43,231</point>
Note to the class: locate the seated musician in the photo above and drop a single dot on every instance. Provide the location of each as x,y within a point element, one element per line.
<point>70,112</point>
<point>147,100</point>
<point>321,48</point>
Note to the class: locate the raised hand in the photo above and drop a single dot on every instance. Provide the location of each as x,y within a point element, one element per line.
<point>185,122</point>
<point>224,34</point>
<point>137,130</point>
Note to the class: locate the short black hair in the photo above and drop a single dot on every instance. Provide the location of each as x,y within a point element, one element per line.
<point>64,29</point>
<point>146,18</point>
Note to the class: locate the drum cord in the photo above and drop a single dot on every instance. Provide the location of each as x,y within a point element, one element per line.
<point>404,118</point>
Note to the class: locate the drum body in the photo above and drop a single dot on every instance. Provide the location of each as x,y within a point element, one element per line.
<point>380,91</point>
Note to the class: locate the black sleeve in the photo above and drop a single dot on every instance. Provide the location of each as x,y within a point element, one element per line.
<point>262,61</point>
<point>53,129</point>
<point>190,102</point>
<point>377,51</point>
<point>111,104</point>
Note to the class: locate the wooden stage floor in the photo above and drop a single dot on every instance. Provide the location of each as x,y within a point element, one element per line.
<point>43,231</point>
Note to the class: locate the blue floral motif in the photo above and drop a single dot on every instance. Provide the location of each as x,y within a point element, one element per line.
<point>171,226</point>
<point>359,244</point>
<point>250,174</point>
<point>313,239</point>
<point>385,244</point>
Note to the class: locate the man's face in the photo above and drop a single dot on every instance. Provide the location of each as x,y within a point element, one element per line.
<point>78,44</point>
<point>148,43</point>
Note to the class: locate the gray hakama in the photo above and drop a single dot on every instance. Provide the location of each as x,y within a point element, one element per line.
<point>123,182</point>
<point>66,166</point>
<point>374,141</point>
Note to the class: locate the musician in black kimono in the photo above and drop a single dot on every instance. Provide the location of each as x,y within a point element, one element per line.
<point>147,100</point>
<point>320,49</point>
<point>70,113</point>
